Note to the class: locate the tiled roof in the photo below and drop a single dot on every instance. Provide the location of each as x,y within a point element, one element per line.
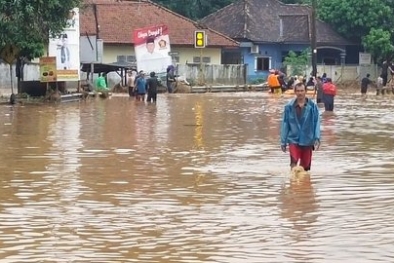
<point>118,19</point>
<point>260,21</point>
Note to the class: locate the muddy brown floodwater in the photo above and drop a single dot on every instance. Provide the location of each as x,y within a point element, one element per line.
<point>195,178</point>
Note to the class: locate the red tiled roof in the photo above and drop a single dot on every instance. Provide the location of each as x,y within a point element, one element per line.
<point>118,19</point>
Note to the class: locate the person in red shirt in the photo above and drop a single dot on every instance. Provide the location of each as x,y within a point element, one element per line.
<point>329,92</point>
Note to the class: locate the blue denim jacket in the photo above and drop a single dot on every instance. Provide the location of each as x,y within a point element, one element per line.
<point>141,85</point>
<point>304,131</point>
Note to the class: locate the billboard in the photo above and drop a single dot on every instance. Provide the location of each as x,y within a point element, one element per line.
<point>65,47</point>
<point>48,70</point>
<point>152,47</point>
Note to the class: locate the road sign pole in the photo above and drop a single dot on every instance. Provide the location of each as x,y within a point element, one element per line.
<point>200,39</point>
<point>201,60</point>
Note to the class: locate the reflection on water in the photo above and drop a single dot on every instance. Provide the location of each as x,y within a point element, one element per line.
<point>195,178</point>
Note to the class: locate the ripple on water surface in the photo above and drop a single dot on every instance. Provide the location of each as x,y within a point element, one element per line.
<point>195,178</point>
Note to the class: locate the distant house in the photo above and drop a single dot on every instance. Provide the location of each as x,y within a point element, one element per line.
<point>268,29</point>
<point>114,22</point>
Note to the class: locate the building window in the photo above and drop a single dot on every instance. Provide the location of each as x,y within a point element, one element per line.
<point>262,63</point>
<point>175,59</point>
<point>204,60</point>
<point>131,59</point>
<point>231,57</point>
<point>121,58</point>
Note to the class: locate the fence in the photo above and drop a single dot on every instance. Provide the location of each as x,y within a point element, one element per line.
<point>227,74</point>
<point>214,74</point>
<point>344,72</point>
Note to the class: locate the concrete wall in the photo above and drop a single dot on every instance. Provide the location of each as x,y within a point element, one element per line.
<point>31,72</point>
<point>184,54</point>
<point>346,72</point>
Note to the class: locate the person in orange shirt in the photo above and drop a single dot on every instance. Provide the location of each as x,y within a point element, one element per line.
<point>329,92</point>
<point>273,82</point>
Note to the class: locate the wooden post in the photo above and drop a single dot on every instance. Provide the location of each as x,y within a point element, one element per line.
<point>201,74</point>
<point>12,81</point>
<point>92,74</point>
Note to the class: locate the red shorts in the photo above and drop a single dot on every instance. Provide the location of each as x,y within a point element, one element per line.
<point>302,154</point>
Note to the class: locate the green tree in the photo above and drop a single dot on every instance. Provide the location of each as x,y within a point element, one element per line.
<point>379,43</point>
<point>297,62</point>
<point>362,21</point>
<point>26,24</point>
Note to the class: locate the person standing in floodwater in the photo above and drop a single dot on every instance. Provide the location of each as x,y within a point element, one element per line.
<point>131,82</point>
<point>170,78</point>
<point>329,93</point>
<point>152,83</point>
<point>383,74</point>
<point>140,87</point>
<point>324,77</point>
<point>318,90</point>
<point>365,82</point>
<point>274,83</point>
<point>391,81</point>
<point>379,85</point>
<point>101,83</point>
<point>300,128</point>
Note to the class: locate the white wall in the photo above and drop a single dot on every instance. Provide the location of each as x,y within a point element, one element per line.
<point>31,72</point>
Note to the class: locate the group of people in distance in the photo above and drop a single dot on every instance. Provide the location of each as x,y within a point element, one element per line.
<point>322,87</point>
<point>383,85</point>
<point>139,84</point>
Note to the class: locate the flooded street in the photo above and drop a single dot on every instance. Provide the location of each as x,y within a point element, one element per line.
<point>195,178</point>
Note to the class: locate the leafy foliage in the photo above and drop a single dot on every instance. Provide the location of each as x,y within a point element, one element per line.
<point>297,62</point>
<point>379,43</point>
<point>354,18</point>
<point>369,22</point>
<point>26,23</point>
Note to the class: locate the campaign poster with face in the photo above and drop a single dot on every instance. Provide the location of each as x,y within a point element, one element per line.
<point>152,47</point>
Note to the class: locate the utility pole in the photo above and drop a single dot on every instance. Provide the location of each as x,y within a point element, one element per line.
<point>313,38</point>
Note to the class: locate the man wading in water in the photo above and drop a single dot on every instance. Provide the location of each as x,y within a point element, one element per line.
<point>300,128</point>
